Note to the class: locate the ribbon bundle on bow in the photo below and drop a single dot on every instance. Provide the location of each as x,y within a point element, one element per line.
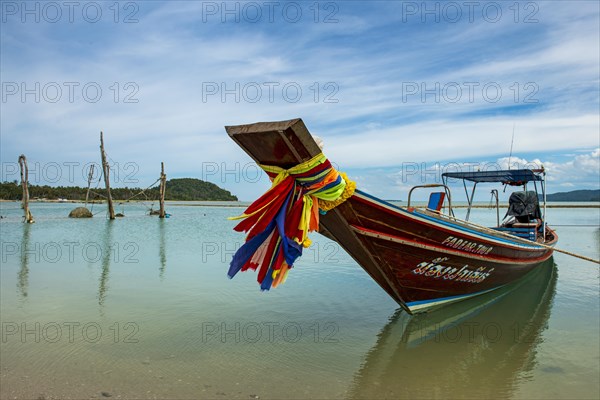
<point>279,221</point>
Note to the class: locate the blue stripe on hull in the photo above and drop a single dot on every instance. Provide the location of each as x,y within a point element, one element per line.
<point>424,304</point>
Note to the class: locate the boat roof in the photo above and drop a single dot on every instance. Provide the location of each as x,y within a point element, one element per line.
<point>508,176</point>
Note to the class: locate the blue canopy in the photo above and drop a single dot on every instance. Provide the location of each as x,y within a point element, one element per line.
<point>507,176</point>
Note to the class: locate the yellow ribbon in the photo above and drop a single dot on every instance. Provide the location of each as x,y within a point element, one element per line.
<point>326,200</point>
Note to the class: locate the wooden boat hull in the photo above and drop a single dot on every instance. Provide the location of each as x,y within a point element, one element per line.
<point>430,260</point>
<point>421,259</point>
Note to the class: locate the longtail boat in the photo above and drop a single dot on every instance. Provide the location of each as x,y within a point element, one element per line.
<point>423,258</point>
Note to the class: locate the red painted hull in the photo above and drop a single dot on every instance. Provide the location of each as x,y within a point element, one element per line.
<point>430,260</point>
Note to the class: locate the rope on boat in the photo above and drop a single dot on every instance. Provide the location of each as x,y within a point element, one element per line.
<point>524,241</point>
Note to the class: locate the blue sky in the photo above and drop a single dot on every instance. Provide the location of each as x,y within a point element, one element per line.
<point>389,86</point>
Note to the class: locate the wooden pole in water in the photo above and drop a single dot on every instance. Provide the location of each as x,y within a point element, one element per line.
<point>24,178</point>
<point>90,176</point>
<point>163,186</point>
<point>106,172</point>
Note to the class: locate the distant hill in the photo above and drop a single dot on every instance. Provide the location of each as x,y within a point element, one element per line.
<point>183,189</point>
<point>575,195</point>
<point>195,189</point>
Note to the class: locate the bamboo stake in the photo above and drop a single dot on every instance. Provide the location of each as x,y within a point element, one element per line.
<point>24,178</point>
<point>163,184</point>
<point>106,172</point>
<point>523,241</point>
<point>90,176</point>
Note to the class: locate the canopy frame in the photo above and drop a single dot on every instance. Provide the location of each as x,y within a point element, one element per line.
<point>512,177</point>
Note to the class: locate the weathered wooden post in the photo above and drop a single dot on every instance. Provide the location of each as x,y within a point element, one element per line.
<point>163,186</point>
<point>106,172</point>
<point>24,178</point>
<point>90,176</point>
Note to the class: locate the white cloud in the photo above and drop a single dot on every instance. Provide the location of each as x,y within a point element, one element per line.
<point>451,140</point>
<point>578,172</point>
<point>369,56</point>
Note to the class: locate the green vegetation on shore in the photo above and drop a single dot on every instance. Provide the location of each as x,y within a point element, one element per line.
<point>575,195</point>
<point>184,189</point>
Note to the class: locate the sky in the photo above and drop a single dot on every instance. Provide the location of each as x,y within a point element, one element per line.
<point>399,91</point>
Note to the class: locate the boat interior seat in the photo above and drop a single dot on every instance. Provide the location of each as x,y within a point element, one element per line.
<point>525,230</point>
<point>436,201</point>
<point>533,224</point>
<point>512,222</point>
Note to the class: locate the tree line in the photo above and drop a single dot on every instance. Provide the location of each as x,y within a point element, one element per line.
<point>182,189</point>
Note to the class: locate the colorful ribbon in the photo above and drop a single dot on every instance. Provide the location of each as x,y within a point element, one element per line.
<point>279,221</point>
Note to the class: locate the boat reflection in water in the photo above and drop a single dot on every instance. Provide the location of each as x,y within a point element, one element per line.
<point>477,348</point>
<point>23,276</point>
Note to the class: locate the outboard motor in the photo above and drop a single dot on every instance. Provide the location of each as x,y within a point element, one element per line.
<point>524,206</point>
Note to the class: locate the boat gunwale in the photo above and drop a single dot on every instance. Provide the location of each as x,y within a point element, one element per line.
<point>499,260</point>
<point>447,224</point>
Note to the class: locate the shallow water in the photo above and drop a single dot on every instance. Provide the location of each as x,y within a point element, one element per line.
<point>142,308</point>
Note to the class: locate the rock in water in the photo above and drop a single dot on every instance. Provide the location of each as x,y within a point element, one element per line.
<point>80,212</point>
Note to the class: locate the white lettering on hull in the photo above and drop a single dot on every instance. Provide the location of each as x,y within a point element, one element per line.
<point>465,245</point>
<point>436,270</point>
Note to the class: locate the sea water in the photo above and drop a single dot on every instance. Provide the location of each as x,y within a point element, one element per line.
<point>141,307</point>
